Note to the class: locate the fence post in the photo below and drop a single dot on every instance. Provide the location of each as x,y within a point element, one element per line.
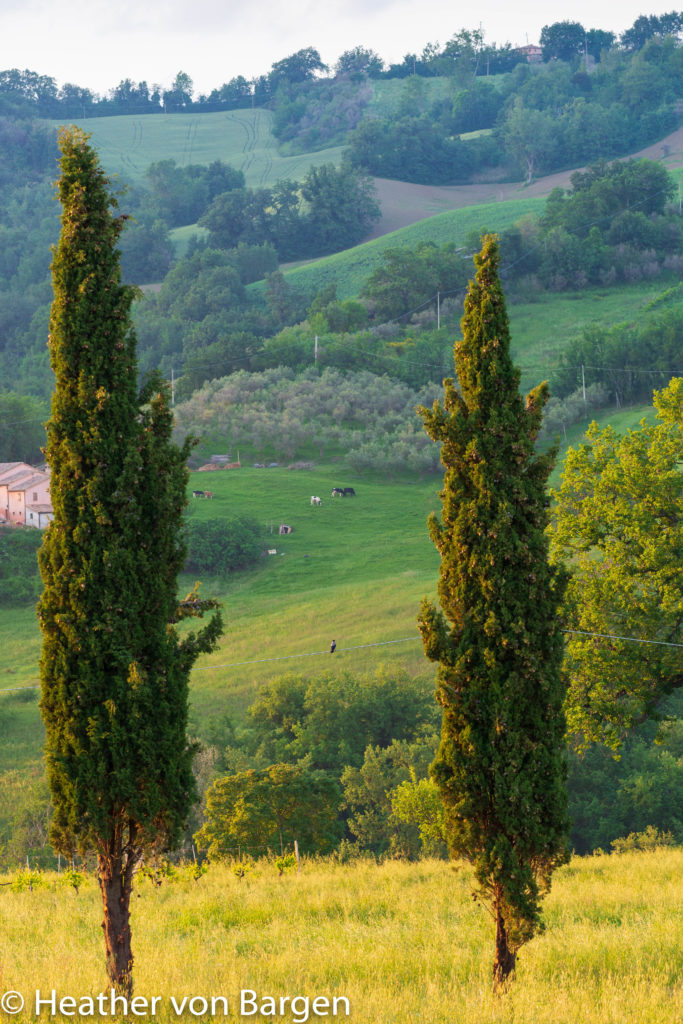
<point>296,854</point>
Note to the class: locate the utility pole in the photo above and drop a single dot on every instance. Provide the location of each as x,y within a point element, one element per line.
<point>172,387</point>
<point>583,387</point>
<point>438,311</point>
<point>315,351</point>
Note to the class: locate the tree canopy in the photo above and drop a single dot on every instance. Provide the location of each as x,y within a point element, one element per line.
<point>619,519</point>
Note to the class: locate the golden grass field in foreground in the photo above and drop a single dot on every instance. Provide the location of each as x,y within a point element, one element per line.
<point>404,943</point>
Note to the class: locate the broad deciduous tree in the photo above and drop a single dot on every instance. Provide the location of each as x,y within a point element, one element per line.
<point>269,809</point>
<point>500,765</point>
<point>563,40</point>
<point>114,671</point>
<point>619,518</point>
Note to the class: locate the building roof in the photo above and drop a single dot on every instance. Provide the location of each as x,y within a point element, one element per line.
<point>13,470</point>
<point>26,480</point>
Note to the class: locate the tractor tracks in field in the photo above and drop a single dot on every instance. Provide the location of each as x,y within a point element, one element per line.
<point>128,158</point>
<point>189,141</point>
<point>253,150</point>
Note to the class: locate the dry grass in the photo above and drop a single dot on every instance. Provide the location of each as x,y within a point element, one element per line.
<point>402,942</point>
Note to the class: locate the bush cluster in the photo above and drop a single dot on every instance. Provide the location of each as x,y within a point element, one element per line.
<point>220,546</point>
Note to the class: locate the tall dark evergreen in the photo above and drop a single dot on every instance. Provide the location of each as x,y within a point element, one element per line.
<point>500,765</point>
<point>114,670</point>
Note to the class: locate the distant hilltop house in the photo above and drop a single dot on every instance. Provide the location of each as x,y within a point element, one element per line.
<point>533,54</point>
<point>24,495</point>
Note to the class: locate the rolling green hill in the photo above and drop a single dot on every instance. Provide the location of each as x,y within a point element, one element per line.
<point>127,145</point>
<point>351,267</point>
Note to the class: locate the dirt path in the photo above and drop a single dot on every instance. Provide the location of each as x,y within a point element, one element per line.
<point>403,204</point>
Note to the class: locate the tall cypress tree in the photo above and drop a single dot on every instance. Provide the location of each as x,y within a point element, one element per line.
<point>500,764</point>
<point>114,671</point>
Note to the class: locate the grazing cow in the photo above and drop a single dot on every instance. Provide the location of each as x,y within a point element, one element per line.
<point>337,492</point>
<point>315,500</point>
<point>208,494</point>
<point>198,494</point>
<point>349,493</point>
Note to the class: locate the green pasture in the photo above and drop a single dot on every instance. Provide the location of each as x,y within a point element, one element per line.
<point>354,569</point>
<point>128,144</point>
<point>402,942</point>
<point>349,269</point>
<point>542,329</point>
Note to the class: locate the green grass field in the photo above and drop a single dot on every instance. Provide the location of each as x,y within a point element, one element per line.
<point>403,943</point>
<point>127,145</point>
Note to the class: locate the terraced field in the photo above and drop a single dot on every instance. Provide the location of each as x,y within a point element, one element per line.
<point>127,145</point>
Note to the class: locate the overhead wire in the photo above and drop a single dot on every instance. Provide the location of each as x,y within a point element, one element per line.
<point>379,643</point>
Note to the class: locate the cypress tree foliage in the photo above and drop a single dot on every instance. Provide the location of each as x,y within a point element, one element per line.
<point>114,670</point>
<point>500,765</point>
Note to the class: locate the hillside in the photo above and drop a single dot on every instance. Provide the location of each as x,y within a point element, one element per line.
<point>404,203</point>
<point>244,139</point>
<point>354,569</point>
<point>128,144</point>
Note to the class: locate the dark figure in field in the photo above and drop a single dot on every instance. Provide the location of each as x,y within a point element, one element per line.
<point>333,647</point>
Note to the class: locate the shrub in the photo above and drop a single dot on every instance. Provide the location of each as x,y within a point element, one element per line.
<point>222,545</point>
<point>650,838</point>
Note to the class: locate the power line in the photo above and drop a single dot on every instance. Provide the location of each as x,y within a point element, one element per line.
<point>309,654</point>
<point>379,643</point>
<point>614,636</point>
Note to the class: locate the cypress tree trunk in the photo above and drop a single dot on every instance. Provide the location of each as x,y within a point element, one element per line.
<point>115,870</point>
<point>505,958</point>
<point>500,764</point>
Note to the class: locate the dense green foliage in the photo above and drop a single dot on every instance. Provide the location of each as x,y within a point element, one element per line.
<point>182,194</point>
<point>372,820</point>
<point>331,720</point>
<point>612,797</point>
<point>619,518</point>
<point>308,739</point>
<point>543,119</point>
<point>114,674</point>
<point>332,209</point>
<point>614,224</point>
<point>219,547</point>
<point>280,414</point>
<point>259,810</point>
<point>22,430</point>
<point>625,360</point>
<point>497,640</point>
